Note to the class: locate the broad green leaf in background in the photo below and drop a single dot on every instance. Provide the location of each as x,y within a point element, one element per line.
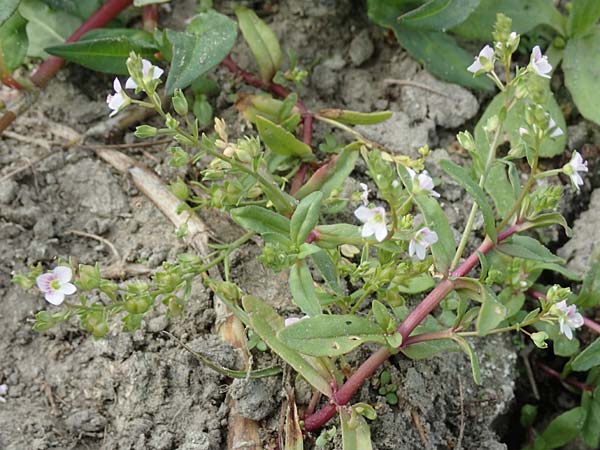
<point>107,50</point>
<point>589,295</point>
<point>499,188</point>
<point>583,15</point>
<point>303,289</point>
<point>435,218</point>
<point>13,42</point>
<point>591,427</point>
<point>262,42</point>
<point>207,40</point>
<point>562,429</point>
<point>306,217</point>
<point>261,220</point>
<point>525,15</point>
<point>588,358</point>
<point>267,323</point>
<point>417,284</point>
<point>526,247</point>
<point>438,15</point>
<point>492,312</point>
<point>330,335</point>
<point>464,178</point>
<point>356,434</point>
<point>281,141</point>
<point>581,66</point>
<point>7,8</point>
<point>46,27</point>
<point>79,8</point>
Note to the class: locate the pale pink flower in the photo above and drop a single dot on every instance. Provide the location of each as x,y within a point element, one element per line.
<point>118,100</point>
<point>374,222</point>
<point>3,392</point>
<point>149,72</point>
<point>568,318</point>
<point>523,131</point>
<point>539,63</point>
<point>55,284</point>
<point>573,167</point>
<point>483,60</point>
<point>424,238</point>
<point>422,182</point>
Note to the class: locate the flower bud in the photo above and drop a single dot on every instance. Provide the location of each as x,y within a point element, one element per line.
<point>89,277</point>
<point>180,104</point>
<point>145,131</point>
<point>171,122</point>
<point>180,189</point>
<point>466,140</point>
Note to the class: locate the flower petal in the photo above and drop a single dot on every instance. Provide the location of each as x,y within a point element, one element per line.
<point>55,297</point>
<point>63,273</point>
<point>43,281</point>
<point>68,289</point>
<point>130,84</point>
<point>380,232</point>
<point>364,214</point>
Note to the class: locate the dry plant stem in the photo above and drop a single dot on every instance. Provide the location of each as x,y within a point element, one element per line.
<point>575,383</point>
<point>242,432</point>
<point>429,303</point>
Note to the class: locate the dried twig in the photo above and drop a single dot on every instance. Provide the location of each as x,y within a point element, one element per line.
<point>461,431</point>
<point>419,427</point>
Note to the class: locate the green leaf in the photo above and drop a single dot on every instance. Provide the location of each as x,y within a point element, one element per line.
<point>435,218</point>
<point>499,188</point>
<point>589,295</point>
<point>305,217</point>
<point>207,40</point>
<point>438,15</point>
<point>262,42</point>
<point>581,67</point>
<point>591,427</point>
<point>416,284</point>
<point>303,289</point>
<point>548,219</point>
<point>79,8</point>
<point>46,27</point>
<point>328,270</point>
<point>7,8</point>
<point>331,335</point>
<point>563,429</point>
<point>354,117</point>
<point>107,54</point>
<point>466,347</point>
<point>356,434</point>
<point>13,41</point>
<point>514,120</point>
<point>492,312</point>
<point>583,15</point>
<point>267,323</point>
<point>261,220</point>
<point>281,141</point>
<point>463,177</point>
<point>588,358</point>
<point>528,248</point>
<point>525,15</point>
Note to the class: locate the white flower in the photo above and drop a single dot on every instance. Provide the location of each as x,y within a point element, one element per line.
<point>423,182</point>
<point>523,131</point>
<point>55,285</point>
<point>573,167</point>
<point>423,239</point>
<point>540,63</point>
<point>374,222</point>
<point>554,130</point>
<point>364,196</point>
<point>568,318</point>
<point>483,60</point>
<point>149,72</point>
<point>3,392</point>
<point>292,320</point>
<point>118,100</point>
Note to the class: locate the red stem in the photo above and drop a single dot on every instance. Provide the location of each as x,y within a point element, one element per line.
<point>150,18</point>
<point>554,374</point>
<point>298,180</point>
<point>9,81</point>
<point>370,366</point>
<point>48,69</point>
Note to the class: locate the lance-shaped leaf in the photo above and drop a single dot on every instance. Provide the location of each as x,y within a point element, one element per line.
<point>468,349</point>
<point>491,313</point>
<point>499,188</point>
<point>438,15</point>
<point>13,41</point>
<point>331,236</point>
<point>356,434</point>
<point>7,8</point>
<point>267,323</point>
<point>354,117</point>
<point>305,217</point>
<point>207,40</point>
<point>588,358</point>
<point>528,248</point>
<point>331,335</point>
<point>435,218</point>
<point>303,289</point>
<point>261,220</point>
<point>562,429</point>
<point>548,219</point>
<point>582,16</point>
<point>107,50</point>
<point>328,270</point>
<point>281,141</point>
<point>262,42</point>
<point>463,177</point>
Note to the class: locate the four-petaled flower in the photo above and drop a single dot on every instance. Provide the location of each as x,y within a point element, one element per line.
<point>422,182</point>
<point>364,195</point>
<point>374,222</point>
<point>423,239</point>
<point>484,61</point>
<point>540,63</point>
<point>573,167</point>
<point>118,100</point>
<point>3,392</point>
<point>55,284</point>
<point>149,72</point>
<point>568,318</point>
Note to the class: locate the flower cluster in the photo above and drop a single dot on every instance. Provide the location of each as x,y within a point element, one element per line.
<point>484,62</point>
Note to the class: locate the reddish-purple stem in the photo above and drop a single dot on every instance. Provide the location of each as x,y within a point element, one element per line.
<point>9,81</point>
<point>370,366</point>
<point>554,374</point>
<point>150,18</point>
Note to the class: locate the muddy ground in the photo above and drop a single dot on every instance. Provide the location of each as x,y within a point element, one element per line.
<point>140,391</point>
